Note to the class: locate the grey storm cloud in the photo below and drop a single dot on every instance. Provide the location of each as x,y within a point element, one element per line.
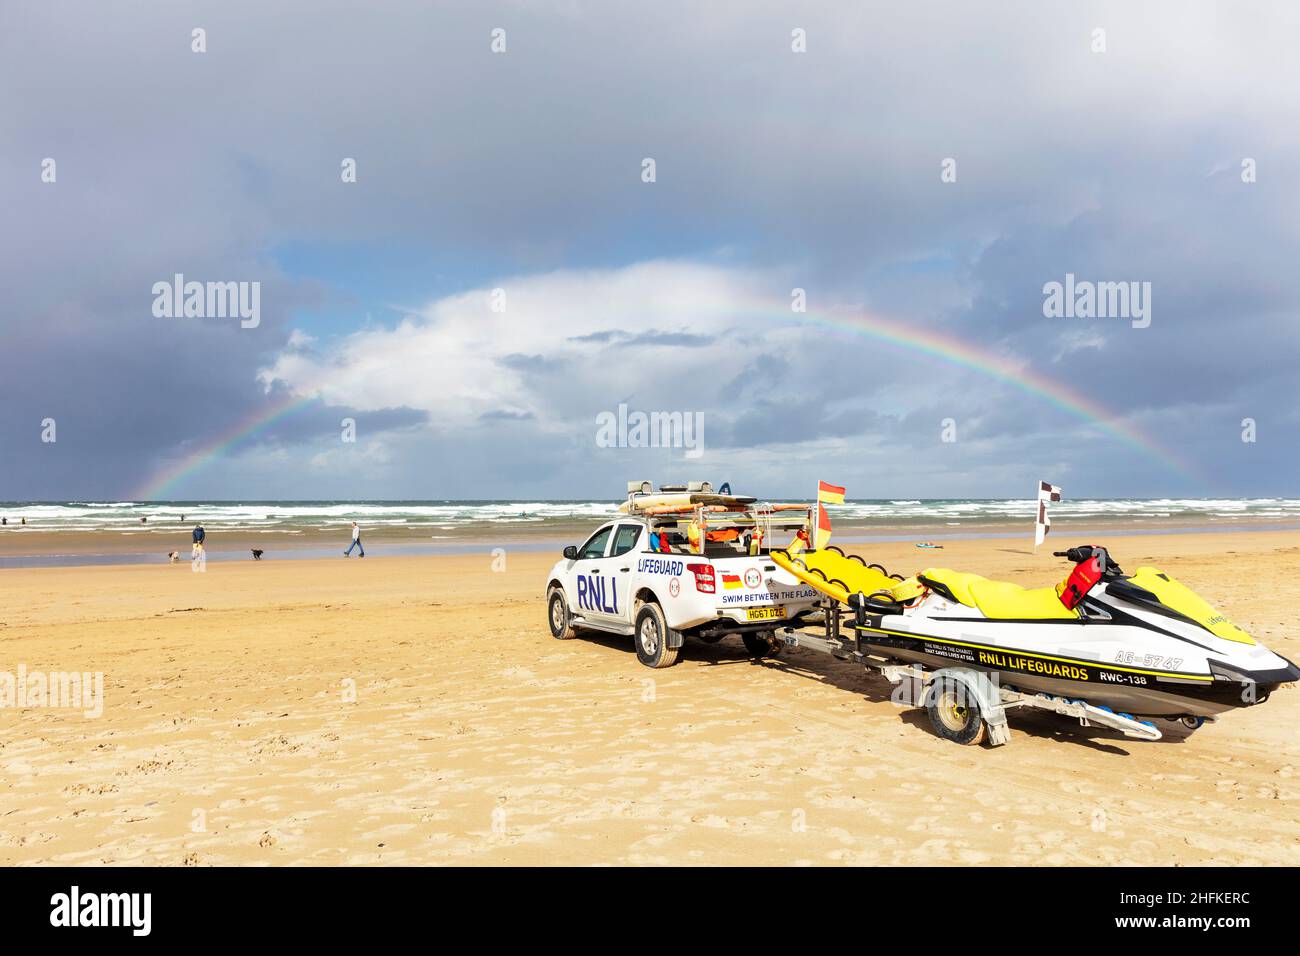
<point>321,423</point>
<point>532,363</point>
<point>669,339</point>
<point>651,337</point>
<point>820,170</point>
<point>503,415</point>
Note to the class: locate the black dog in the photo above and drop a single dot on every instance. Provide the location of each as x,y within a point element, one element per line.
<point>257,554</point>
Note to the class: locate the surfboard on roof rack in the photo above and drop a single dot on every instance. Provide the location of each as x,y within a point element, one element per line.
<point>641,497</point>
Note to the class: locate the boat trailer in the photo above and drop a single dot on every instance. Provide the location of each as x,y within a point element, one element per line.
<point>976,698</point>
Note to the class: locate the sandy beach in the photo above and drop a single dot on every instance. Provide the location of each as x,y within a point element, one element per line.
<point>415,710</point>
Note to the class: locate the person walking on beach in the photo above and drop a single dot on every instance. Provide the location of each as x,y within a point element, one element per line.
<point>198,537</point>
<point>356,541</point>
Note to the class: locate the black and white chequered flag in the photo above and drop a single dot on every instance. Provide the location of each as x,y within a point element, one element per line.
<point>1042,524</point>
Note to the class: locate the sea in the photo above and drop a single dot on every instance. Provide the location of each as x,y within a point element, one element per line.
<point>450,520</point>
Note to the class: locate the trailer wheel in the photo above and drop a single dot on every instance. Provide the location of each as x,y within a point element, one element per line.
<point>651,638</point>
<point>760,644</point>
<point>557,616</point>
<point>955,711</point>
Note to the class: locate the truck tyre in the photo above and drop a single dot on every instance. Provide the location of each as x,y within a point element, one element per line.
<point>760,643</point>
<point>651,638</point>
<point>955,711</point>
<point>557,616</point>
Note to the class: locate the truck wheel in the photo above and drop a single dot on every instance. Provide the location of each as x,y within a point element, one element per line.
<point>955,712</point>
<point>760,643</point>
<point>651,638</point>
<point>557,616</point>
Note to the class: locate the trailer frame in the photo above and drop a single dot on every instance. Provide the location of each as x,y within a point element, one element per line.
<point>983,689</point>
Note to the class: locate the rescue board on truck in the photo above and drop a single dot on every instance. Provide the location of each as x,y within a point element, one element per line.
<point>682,500</point>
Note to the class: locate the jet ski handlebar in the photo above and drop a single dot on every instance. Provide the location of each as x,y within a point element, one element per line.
<point>1085,552</point>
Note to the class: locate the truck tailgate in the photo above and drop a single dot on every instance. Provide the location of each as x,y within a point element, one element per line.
<point>755,589</point>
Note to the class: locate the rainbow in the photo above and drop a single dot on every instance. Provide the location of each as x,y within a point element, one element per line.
<point>955,351</point>
<point>909,338</point>
<point>161,485</point>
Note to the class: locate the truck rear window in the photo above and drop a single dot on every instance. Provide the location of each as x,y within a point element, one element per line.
<point>625,539</point>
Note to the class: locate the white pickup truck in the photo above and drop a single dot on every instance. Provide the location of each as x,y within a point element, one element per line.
<point>617,584</point>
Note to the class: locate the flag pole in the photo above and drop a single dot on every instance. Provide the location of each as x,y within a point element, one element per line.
<point>812,520</point>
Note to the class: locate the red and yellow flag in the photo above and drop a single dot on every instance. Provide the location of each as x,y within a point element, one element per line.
<point>823,537</point>
<point>829,494</point>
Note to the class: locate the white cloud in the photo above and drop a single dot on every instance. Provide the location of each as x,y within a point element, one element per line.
<point>458,360</point>
<point>1076,340</point>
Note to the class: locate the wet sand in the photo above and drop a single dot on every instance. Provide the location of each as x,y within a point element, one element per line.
<point>154,541</point>
<point>416,710</point>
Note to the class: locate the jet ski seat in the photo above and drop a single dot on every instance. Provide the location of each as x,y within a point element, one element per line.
<point>1000,600</point>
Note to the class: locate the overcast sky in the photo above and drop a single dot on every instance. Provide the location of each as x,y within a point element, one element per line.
<point>523,171</point>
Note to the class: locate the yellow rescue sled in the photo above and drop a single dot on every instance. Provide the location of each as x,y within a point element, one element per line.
<point>838,575</point>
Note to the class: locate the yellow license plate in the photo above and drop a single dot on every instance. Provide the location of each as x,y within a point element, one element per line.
<point>765,614</point>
